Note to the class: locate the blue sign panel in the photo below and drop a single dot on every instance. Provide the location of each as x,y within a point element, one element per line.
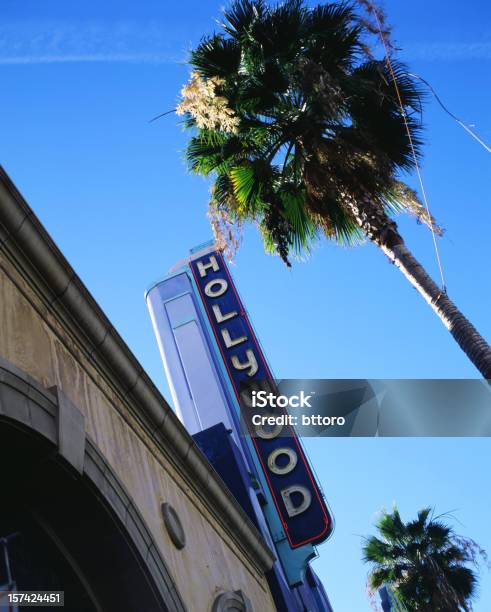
<point>298,500</point>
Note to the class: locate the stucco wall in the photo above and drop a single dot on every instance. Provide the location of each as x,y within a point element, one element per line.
<point>34,337</point>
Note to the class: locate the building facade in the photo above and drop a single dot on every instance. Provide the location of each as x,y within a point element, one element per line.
<point>211,356</point>
<point>105,494</point>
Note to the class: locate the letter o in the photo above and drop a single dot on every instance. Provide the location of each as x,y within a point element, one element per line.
<point>214,293</point>
<point>266,434</point>
<point>286,469</point>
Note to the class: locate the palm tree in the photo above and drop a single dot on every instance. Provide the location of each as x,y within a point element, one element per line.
<point>305,134</point>
<point>423,562</point>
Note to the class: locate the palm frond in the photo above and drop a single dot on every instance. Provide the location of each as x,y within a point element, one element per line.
<point>240,16</point>
<point>343,229</point>
<point>400,198</point>
<point>276,35</point>
<point>204,152</point>
<point>216,56</point>
<point>376,115</point>
<point>248,185</point>
<point>333,35</point>
<point>303,230</point>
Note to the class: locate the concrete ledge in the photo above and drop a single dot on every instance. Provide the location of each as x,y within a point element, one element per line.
<point>71,431</point>
<point>22,399</point>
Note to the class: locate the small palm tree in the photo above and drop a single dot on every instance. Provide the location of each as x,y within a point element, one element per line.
<point>305,134</point>
<point>423,562</point>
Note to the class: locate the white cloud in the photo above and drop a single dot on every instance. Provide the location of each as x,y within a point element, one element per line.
<point>129,58</point>
<point>61,42</point>
<point>153,42</point>
<point>440,51</point>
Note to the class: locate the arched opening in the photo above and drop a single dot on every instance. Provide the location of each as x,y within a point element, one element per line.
<point>61,534</point>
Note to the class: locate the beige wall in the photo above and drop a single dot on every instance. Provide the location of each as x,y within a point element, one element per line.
<point>34,338</point>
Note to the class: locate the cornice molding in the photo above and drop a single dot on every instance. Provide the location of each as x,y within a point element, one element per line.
<point>43,264</point>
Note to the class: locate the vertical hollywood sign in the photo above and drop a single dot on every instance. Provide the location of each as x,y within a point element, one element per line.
<point>295,493</point>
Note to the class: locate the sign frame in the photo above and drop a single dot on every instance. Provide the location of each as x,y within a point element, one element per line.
<point>210,270</point>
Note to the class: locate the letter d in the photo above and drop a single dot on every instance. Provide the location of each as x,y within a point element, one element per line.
<point>294,510</point>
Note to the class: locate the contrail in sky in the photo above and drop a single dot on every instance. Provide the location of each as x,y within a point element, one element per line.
<point>154,42</point>
<point>128,58</point>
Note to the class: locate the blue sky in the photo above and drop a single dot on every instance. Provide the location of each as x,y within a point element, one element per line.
<point>79,83</point>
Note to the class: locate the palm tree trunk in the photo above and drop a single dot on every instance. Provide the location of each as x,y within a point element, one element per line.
<point>382,230</point>
<point>466,335</point>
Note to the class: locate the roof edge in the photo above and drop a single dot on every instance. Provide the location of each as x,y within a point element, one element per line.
<point>87,321</point>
